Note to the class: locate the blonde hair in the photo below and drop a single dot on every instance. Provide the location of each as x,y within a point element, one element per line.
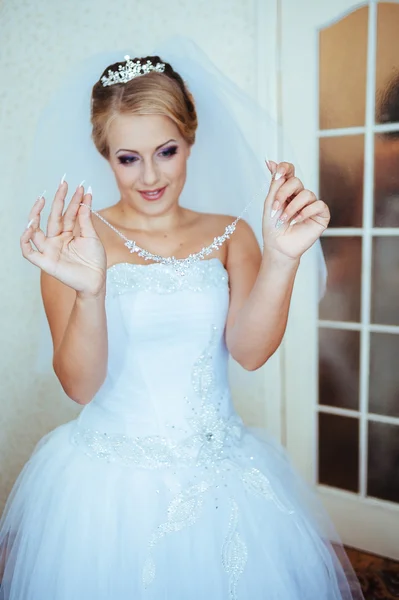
<point>151,94</point>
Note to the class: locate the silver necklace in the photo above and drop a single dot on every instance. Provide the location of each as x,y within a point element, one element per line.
<point>181,265</point>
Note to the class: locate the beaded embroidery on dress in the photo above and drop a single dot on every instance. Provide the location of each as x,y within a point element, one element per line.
<point>158,490</point>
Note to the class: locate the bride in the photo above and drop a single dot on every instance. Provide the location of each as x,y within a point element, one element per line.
<point>157,490</point>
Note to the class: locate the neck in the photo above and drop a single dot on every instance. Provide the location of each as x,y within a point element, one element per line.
<point>131,218</point>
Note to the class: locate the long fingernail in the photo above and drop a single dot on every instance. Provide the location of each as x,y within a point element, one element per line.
<point>41,196</point>
<point>293,222</point>
<point>274,210</point>
<point>268,164</point>
<point>89,190</point>
<point>63,179</point>
<point>277,176</point>
<point>30,223</point>
<point>81,183</point>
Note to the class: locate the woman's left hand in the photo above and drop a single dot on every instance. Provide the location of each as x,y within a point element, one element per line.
<point>293,217</point>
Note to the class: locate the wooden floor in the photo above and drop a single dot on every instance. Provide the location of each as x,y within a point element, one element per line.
<point>379,576</point>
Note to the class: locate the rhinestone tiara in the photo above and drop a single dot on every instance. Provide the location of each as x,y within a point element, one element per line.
<point>130,71</point>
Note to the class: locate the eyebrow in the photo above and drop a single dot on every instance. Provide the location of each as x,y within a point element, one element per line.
<point>157,148</point>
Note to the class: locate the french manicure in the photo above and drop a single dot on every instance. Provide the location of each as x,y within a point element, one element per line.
<point>277,176</point>
<point>63,179</point>
<point>275,208</point>
<point>40,197</point>
<point>89,190</point>
<point>30,223</point>
<point>293,222</point>
<point>81,183</point>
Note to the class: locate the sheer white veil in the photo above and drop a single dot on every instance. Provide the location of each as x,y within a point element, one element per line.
<point>226,169</point>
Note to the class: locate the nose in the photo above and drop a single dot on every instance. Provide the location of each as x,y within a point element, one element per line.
<point>149,173</point>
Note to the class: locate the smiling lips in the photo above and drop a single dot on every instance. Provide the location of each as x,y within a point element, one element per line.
<point>153,194</point>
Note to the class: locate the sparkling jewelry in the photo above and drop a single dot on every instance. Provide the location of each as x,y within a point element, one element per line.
<point>130,71</point>
<point>180,264</point>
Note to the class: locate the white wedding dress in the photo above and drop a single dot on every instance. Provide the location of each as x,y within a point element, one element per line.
<point>157,491</point>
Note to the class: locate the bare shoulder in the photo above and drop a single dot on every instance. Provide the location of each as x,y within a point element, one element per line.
<point>241,252</point>
<point>242,245</point>
<point>244,257</point>
<point>243,262</point>
<point>219,222</point>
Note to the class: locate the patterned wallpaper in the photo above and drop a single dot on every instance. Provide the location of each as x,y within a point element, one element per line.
<point>40,41</point>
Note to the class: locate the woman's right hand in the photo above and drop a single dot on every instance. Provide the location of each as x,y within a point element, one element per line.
<point>74,256</point>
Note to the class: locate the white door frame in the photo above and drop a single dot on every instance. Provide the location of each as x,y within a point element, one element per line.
<point>362,522</point>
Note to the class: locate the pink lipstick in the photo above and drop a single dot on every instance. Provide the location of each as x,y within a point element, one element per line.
<point>152,195</point>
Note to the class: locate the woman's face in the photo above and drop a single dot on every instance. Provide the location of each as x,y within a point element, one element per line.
<point>148,156</point>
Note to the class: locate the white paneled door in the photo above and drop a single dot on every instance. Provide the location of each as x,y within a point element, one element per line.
<point>339,92</point>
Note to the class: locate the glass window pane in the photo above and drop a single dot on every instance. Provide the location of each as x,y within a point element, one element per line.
<point>339,451</point>
<point>387,75</point>
<point>339,368</point>
<point>341,166</point>
<point>342,71</point>
<point>384,374</point>
<point>385,281</point>
<point>342,299</point>
<point>386,178</point>
<point>383,461</point>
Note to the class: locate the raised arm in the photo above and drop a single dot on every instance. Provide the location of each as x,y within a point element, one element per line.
<point>73,264</point>
<point>79,331</point>
<point>261,286</point>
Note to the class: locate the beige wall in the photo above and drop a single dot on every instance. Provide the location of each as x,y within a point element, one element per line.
<point>40,41</point>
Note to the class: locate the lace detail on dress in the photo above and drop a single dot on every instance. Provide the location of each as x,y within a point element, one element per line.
<point>214,447</point>
<point>183,511</point>
<point>258,484</point>
<point>164,279</point>
<point>152,452</point>
<point>209,444</point>
<point>234,552</point>
<point>212,434</point>
<point>213,438</point>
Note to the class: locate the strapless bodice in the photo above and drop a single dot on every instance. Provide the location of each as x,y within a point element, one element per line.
<point>167,366</point>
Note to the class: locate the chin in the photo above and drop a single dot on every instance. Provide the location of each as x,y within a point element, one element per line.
<point>155,208</point>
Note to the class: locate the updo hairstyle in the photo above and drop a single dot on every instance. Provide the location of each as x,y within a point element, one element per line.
<point>151,94</point>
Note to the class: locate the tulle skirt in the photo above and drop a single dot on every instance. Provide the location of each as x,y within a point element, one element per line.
<point>79,527</point>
